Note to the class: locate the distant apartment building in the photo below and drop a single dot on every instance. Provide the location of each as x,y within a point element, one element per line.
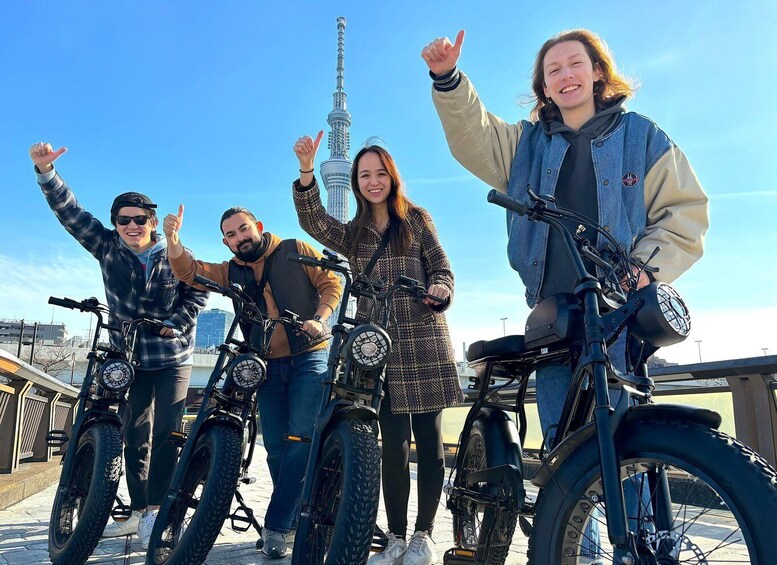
<point>212,327</point>
<point>49,334</point>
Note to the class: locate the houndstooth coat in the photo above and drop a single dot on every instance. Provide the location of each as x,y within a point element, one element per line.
<point>421,373</point>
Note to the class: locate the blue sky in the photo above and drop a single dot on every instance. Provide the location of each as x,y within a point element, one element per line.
<point>200,103</point>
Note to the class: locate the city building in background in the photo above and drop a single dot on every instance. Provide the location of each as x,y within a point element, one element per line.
<point>50,334</point>
<point>212,327</point>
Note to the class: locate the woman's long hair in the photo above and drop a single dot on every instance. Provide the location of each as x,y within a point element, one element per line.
<point>612,87</point>
<point>399,206</point>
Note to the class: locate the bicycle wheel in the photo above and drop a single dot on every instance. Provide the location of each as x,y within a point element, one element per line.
<point>185,531</point>
<point>344,503</point>
<point>487,530</point>
<point>83,505</point>
<point>723,499</point>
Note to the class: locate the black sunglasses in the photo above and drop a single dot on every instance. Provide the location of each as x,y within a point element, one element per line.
<point>125,220</point>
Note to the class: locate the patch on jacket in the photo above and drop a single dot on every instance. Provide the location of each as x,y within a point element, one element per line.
<point>630,179</point>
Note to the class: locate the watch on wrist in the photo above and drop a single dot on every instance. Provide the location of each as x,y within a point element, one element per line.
<point>317,318</point>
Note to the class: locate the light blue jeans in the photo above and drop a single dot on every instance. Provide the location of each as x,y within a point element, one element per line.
<point>288,404</point>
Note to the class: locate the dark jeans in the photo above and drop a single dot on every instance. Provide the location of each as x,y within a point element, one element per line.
<point>395,438</point>
<point>156,403</point>
<point>288,403</point>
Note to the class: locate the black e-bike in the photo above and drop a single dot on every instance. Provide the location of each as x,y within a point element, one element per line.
<point>218,450</point>
<point>341,492</point>
<point>662,484</point>
<point>92,465</point>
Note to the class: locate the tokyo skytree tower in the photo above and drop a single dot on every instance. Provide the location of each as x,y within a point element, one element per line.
<point>336,171</point>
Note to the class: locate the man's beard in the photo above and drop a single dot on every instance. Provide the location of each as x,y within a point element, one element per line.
<point>250,253</point>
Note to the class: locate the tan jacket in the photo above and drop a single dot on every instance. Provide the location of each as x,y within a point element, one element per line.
<point>327,283</point>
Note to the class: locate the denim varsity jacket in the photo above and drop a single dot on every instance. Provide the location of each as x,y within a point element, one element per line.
<point>648,194</point>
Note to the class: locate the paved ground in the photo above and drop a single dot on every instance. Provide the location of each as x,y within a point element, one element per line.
<point>24,530</point>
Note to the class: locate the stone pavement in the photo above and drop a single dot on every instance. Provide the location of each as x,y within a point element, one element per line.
<point>24,530</point>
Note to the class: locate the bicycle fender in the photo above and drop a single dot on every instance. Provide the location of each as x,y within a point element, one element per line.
<point>503,444</point>
<point>556,458</point>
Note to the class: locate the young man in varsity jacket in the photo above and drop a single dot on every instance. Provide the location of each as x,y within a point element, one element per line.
<point>139,283</point>
<point>290,398</point>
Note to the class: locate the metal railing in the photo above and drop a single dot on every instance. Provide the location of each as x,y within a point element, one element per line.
<point>32,404</point>
<point>749,384</point>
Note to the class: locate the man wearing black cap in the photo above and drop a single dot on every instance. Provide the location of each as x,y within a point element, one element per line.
<point>139,283</point>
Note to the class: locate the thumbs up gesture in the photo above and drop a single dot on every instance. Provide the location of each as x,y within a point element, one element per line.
<point>305,149</point>
<point>43,155</point>
<point>441,55</point>
<point>173,223</point>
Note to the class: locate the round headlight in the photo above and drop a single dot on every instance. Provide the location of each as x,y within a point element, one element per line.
<point>116,375</point>
<point>247,372</point>
<point>369,347</point>
<point>664,318</point>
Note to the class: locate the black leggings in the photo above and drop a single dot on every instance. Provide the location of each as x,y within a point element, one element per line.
<point>395,437</point>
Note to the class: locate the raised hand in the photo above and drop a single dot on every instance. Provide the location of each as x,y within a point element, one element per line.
<point>441,55</point>
<point>43,155</point>
<point>173,223</point>
<point>305,149</point>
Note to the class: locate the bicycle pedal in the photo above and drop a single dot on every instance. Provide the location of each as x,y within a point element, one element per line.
<point>248,480</point>
<point>526,526</point>
<point>296,439</point>
<point>177,439</point>
<point>242,523</point>
<point>121,513</point>
<point>56,438</point>
<point>459,556</point>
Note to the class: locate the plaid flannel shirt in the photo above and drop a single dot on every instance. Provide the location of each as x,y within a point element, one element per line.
<point>163,297</point>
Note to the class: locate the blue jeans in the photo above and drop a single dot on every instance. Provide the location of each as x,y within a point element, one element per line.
<point>288,403</point>
<point>552,385</point>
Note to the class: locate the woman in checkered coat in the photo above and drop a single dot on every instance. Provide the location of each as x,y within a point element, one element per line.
<point>421,378</point>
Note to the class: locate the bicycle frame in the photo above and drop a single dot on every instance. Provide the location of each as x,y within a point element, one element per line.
<point>592,366</point>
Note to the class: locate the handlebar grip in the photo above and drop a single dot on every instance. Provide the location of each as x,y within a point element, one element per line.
<point>507,202</point>
<point>304,259</point>
<point>64,302</point>
<point>199,279</point>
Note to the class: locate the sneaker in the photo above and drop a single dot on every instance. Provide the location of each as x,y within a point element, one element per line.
<point>145,526</point>
<point>392,555</point>
<point>420,550</point>
<point>275,543</point>
<point>126,528</point>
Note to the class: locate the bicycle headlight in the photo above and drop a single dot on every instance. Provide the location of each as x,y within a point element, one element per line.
<point>115,375</point>
<point>248,372</point>
<point>369,347</point>
<point>664,318</point>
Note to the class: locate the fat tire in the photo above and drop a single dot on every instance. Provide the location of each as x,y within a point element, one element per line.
<point>349,535</point>
<point>221,444</point>
<point>102,443</point>
<point>742,478</point>
<point>498,543</point>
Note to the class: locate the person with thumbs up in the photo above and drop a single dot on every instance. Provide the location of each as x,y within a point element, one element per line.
<point>582,148</point>
<point>296,365</point>
<point>139,283</point>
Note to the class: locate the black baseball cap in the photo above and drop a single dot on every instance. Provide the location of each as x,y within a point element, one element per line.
<point>135,199</point>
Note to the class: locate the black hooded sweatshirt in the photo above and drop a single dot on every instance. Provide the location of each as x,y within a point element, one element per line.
<point>575,190</point>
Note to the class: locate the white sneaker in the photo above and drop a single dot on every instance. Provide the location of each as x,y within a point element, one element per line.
<point>128,527</point>
<point>420,550</point>
<point>392,555</point>
<point>275,543</point>
<point>145,526</point>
